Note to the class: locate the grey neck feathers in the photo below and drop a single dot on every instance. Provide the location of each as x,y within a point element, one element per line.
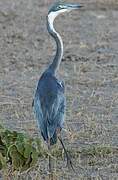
<point>54,66</point>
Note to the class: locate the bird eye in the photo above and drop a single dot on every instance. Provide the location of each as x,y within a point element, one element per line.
<point>60,7</point>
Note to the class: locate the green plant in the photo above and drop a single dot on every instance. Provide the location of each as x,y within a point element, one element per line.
<point>18,149</point>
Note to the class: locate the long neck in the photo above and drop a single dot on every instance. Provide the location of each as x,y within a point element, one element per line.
<point>54,66</point>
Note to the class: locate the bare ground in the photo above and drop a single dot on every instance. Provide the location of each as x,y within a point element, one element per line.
<point>90,71</point>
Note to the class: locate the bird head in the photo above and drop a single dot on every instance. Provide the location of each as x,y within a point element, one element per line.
<point>60,7</point>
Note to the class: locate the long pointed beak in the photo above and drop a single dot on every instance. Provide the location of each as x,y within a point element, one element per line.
<point>74,6</point>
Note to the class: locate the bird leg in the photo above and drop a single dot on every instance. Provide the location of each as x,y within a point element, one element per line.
<point>69,161</point>
<point>51,163</point>
<point>49,149</point>
<point>49,160</point>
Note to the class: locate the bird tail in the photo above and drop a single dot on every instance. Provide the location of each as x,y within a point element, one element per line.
<point>69,161</point>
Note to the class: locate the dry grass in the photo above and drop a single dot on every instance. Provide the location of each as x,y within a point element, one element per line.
<point>90,71</point>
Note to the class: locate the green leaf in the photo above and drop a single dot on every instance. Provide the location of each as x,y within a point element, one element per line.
<point>1,129</point>
<point>20,137</point>
<point>8,137</point>
<point>17,159</point>
<point>3,163</point>
<point>34,156</point>
<point>0,165</point>
<point>28,150</point>
<point>20,147</point>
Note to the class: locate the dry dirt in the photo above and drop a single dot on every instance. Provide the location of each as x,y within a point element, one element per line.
<point>89,69</point>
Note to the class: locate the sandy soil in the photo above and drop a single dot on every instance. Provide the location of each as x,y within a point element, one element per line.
<point>89,68</point>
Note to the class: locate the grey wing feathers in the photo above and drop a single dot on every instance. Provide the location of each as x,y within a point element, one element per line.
<point>56,117</point>
<point>39,116</point>
<point>49,107</point>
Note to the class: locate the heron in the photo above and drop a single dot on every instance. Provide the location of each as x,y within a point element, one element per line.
<point>49,100</point>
